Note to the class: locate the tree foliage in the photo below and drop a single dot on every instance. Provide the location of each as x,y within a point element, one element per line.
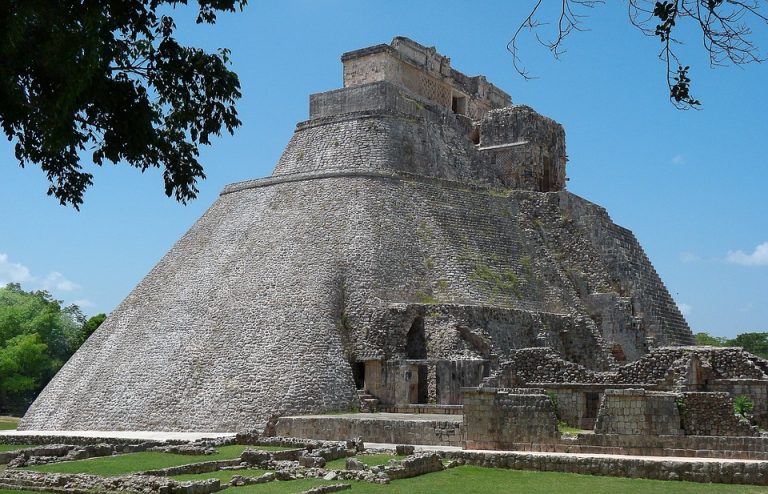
<point>707,339</point>
<point>725,28</point>
<point>743,406</point>
<point>755,343</point>
<point>107,81</point>
<point>37,335</point>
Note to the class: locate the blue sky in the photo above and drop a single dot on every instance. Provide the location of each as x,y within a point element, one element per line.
<point>691,185</point>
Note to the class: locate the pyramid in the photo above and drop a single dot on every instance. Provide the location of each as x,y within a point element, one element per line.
<point>415,233</point>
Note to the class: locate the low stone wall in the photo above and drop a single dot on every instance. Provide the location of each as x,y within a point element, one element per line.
<point>728,472</point>
<point>444,431</point>
<point>711,414</point>
<point>500,419</point>
<point>416,465</point>
<point>741,448</point>
<point>50,453</point>
<point>751,448</point>
<point>87,484</point>
<point>637,411</point>
<point>434,409</point>
<point>193,468</point>
<point>83,440</point>
<point>755,389</point>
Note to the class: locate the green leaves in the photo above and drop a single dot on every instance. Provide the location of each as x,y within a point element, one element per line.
<point>755,343</point>
<point>666,12</point>
<point>680,90</point>
<point>109,78</point>
<point>37,335</point>
<point>23,361</point>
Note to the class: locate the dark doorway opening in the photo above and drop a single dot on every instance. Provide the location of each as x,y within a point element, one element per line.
<point>423,391</point>
<point>474,136</point>
<point>546,178</point>
<point>416,342</point>
<point>358,374</point>
<point>459,105</point>
<point>590,410</point>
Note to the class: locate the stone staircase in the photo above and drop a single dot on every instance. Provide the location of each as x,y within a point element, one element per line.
<point>368,402</point>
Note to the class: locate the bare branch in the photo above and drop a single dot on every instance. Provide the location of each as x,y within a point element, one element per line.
<point>726,28</point>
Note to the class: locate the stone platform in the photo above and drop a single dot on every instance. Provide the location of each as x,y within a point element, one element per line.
<point>139,435</point>
<point>397,428</point>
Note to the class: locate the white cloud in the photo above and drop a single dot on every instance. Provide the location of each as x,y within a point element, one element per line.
<point>685,309</point>
<point>84,303</point>
<point>757,258</point>
<point>56,282</point>
<point>679,159</point>
<point>11,272</point>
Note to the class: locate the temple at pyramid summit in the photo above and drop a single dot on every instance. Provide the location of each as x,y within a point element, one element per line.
<point>414,240</point>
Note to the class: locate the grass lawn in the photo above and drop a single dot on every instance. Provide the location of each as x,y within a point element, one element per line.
<point>223,475</point>
<point>14,447</point>
<point>7,423</point>
<point>5,491</point>
<point>271,448</point>
<point>465,479</point>
<point>477,480</point>
<point>370,460</point>
<point>572,430</point>
<point>136,462</point>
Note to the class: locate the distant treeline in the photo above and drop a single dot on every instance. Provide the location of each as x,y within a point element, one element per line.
<point>37,336</point>
<point>756,343</point>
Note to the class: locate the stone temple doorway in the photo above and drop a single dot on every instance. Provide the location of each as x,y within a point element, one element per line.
<point>416,349</point>
<point>416,341</point>
<point>418,388</point>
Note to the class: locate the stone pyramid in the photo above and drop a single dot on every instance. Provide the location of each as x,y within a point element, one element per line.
<point>415,233</point>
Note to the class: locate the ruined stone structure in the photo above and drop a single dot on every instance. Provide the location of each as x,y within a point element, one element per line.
<point>415,234</point>
<point>710,371</point>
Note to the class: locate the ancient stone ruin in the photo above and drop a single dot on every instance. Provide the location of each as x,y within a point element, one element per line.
<point>415,239</point>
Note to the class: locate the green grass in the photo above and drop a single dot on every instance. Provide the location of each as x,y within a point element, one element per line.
<point>14,447</point>
<point>563,427</point>
<point>223,475</point>
<point>8,423</point>
<point>136,462</point>
<point>5,491</point>
<point>477,480</point>
<point>465,479</point>
<point>271,448</point>
<point>370,460</point>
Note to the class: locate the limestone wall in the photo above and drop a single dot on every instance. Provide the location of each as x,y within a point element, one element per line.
<point>727,472</point>
<point>638,412</point>
<point>381,210</point>
<point>504,418</point>
<point>712,414</point>
<point>527,149</point>
<point>243,316</point>
<point>441,430</point>
<point>425,72</point>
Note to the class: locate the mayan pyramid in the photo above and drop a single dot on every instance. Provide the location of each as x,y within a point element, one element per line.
<point>414,234</point>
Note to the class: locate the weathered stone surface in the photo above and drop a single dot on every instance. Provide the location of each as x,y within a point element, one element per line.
<point>415,465</point>
<point>727,472</point>
<point>712,414</point>
<point>638,412</point>
<point>382,210</point>
<point>502,418</point>
<point>445,430</point>
<point>323,489</point>
<point>81,483</point>
<point>403,450</point>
